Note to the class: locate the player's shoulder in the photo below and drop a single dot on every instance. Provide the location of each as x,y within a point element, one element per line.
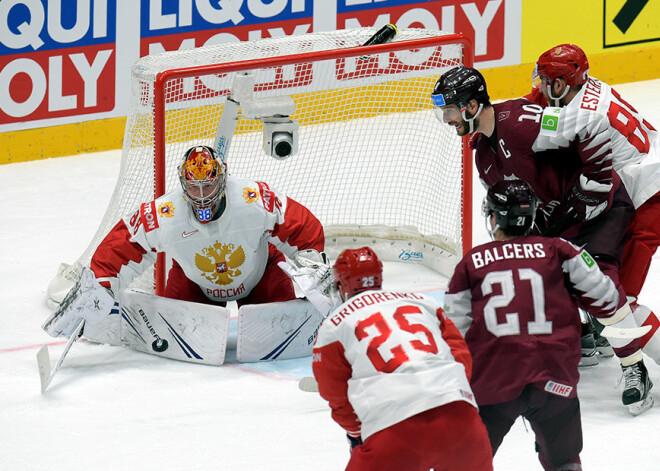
<point>252,194</point>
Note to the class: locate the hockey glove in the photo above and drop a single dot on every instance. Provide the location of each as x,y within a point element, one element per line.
<point>312,273</point>
<point>87,299</point>
<point>588,198</point>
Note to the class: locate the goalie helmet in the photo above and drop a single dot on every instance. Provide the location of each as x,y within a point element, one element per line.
<point>514,204</point>
<point>203,178</point>
<point>567,61</point>
<point>357,270</point>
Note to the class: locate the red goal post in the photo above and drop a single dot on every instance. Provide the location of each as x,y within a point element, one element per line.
<point>373,163</point>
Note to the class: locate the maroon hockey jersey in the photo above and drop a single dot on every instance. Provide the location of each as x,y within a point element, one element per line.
<point>519,302</point>
<point>550,160</point>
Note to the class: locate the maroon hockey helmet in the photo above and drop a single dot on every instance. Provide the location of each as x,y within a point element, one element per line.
<point>567,61</point>
<point>357,270</point>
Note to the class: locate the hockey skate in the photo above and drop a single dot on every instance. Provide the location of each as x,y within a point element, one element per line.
<point>636,393</point>
<point>588,344</point>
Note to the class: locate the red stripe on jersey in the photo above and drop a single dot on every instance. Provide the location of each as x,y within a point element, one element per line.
<point>456,342</point>
<point>653,321</point>
<point>300,228</point>
<point>332,372</point>
<point>148,216</point>
<point>115,251</point>
<point>268,198</point>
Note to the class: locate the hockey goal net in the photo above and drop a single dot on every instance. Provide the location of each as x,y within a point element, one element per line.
<point>373,163</point>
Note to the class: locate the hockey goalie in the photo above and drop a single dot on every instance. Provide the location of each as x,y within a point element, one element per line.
<point>225,237</point>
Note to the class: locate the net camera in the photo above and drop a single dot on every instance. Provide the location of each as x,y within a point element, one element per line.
<point>280,137</point>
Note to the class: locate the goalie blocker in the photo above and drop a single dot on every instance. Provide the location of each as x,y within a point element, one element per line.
<point>183,330</point>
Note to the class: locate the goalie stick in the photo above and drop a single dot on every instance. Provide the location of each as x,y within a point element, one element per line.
<point>46,375</point>
<point>308,384</point>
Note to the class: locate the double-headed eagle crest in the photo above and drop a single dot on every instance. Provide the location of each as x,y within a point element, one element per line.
<point>220,262</point>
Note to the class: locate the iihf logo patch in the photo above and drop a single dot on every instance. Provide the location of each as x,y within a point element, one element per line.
<point>166,209</point>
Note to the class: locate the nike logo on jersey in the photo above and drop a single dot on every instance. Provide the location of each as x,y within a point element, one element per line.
<point>488,169</point>
<point>185,234</point>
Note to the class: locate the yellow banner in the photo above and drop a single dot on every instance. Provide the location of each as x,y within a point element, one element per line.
<point>597,26</point>
<point>631,22</point>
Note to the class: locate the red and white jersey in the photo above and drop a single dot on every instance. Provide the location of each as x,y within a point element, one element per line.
<point>519,302</point>
<point>382,357</point>
<point>635,142</point>
<point>225,257</point>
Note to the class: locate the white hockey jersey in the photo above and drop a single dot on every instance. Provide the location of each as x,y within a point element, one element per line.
<point>382,357</point>
<point>635,142</point>
<point>226,257</point>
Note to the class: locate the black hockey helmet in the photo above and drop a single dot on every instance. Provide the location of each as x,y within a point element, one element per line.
<point>458,86</point>
<point>514,204</point>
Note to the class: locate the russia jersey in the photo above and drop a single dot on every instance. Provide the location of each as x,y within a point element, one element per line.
<point>382,357</point>
<point>549,160</point>
<point>635,142</point>
<point>519,302</point>
<point>225,257</point>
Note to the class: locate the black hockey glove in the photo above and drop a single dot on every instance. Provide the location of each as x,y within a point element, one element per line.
<point>586,205</point>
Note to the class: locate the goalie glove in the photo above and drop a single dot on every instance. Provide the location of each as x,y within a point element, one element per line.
<point>588,198</point>
<point>313,275</point>
<point>91,301</point>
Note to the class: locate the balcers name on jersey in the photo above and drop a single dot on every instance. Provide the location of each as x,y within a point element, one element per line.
<point>508,252</point>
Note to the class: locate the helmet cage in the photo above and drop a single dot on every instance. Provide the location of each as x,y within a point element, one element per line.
<point>203,179</point>
<point>357,270</point>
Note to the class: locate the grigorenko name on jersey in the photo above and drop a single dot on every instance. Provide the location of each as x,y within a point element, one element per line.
<point>367,299</point>
<point>485,256</point>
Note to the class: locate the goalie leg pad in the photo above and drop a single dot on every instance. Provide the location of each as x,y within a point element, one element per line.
<point>277,331</point>
<point>172,328</point>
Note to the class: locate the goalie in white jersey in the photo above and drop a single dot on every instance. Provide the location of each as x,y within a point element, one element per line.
<point>562,76</point>
<point>225,237</point>
<point>395,373</point>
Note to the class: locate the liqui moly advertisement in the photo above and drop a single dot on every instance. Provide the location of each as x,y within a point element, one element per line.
<point>68,61</point>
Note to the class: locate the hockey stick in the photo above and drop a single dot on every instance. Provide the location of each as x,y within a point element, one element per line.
<point>621,333</point>
<point>308,384</point>
<point>46,375</point>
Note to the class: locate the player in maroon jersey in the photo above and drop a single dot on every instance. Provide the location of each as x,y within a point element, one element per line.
<point>518,298</point>
<point>570,171</point>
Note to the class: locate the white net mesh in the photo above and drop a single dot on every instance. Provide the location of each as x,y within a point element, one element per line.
<point>373,165</point>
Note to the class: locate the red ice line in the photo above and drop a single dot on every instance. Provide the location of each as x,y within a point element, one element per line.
<point>28,347</point>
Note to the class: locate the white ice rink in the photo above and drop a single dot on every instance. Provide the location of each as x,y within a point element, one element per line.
<point>110,408</point>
